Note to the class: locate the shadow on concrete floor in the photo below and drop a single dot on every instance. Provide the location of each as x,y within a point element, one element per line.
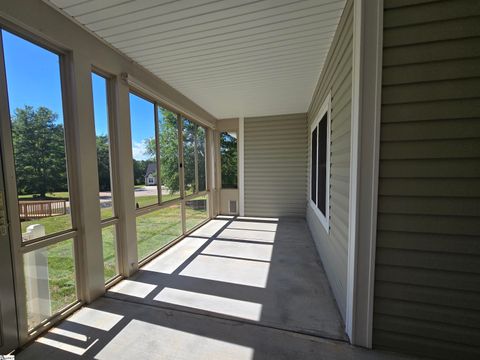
<point>265,272</point>
<point>236,288</point>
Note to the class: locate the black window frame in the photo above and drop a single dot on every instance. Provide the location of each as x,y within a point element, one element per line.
<point>320,164</point>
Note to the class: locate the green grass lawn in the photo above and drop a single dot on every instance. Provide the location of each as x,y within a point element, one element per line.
<point>64,222</point>
<point>195,217</point>
<point>154,230</point>
<point>158,228</point>
<point>61,277</point>
<point>109,252</point>
<point>142,201</point>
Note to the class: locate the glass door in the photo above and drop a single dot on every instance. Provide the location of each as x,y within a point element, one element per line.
<point>8,311</point>
<point>35,136</point>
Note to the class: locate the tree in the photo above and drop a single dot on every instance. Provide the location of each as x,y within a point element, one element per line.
<point>139,169</point>
<point>168,141</point>
<point>189,130</point>
<point>39,148</point>
<point>228,154</point>
<point>103,163</point>
<point>202,156</point>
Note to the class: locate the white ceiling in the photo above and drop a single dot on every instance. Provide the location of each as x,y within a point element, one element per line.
<point>232,57</point>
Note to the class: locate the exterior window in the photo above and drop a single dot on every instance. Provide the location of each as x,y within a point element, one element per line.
<point>142,113</point>
<point>196,211</point>
<point>229,160</point>
<point>201,158</point>
<point>100,114</point>
<point>158,228</point>
<point>168,142</point>
<point>105,183</point>
<point>314,165</point>
<point>41,153</point>
<point>176,142</point>
<point>189,157</point>
<point>50,281</point>
<point>320,164</point>
<point>193,157</point>
<point>38,137</point>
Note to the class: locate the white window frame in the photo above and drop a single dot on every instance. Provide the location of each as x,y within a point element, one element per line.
<point>324,218</point>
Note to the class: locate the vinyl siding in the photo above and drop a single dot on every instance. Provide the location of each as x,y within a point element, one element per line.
<point>427,289</point>
<point>275,165</point>
<point>336,78</point>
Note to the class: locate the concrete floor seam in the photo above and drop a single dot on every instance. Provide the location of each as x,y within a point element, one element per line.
<point>217,317</point>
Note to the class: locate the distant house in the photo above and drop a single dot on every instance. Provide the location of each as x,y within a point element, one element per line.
<point>151,174</point>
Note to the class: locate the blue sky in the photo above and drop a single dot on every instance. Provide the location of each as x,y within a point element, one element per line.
<point>33,75</point>
<point>142,119</point>
<point>33,78</point>
<point>100,109</point>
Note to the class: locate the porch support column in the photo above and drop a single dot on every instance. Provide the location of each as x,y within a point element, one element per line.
<point>365,140</point>
<point>125,207</point>
<point>84,174</point>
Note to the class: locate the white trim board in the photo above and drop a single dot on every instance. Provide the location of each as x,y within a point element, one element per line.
<point>241,166</point>
<point>364,163</point>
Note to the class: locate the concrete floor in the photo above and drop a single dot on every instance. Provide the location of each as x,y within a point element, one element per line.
<point>234,289</point>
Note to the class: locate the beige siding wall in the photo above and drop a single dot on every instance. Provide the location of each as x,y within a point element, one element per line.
<point>275,165</point>
<point>427,290</point>
<point>336,78</point>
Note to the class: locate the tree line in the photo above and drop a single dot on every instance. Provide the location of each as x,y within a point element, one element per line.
<point>40,156</point>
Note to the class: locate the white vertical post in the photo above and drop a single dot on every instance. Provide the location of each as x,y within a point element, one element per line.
<point>83,174</point>
<point>36,277</point>
<point>364,159</point>
<point>241,164</point>
<point>211,165</point>
<point>127,234</point>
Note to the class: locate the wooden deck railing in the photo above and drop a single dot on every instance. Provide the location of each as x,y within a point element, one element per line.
<point>41,208</point>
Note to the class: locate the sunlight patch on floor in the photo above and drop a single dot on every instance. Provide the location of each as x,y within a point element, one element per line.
<point>248,235</point>
<point>77,350</point>
<point>171,259</point>
<point>235,271</point>
<point>167,343</point>
<point>253,225</point>
<point>248,251</point>
<point>133,288</point>
<point>249,218</point>
<point>221,305</point>
<point>68,333</point>
<point>66,345</point>
<point>95,318</point>
<point>210,228</point>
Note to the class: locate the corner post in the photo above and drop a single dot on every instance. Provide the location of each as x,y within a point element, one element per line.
<point>364,162</point>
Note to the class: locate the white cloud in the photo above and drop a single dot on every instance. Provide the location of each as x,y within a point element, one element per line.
<point>138,151</point>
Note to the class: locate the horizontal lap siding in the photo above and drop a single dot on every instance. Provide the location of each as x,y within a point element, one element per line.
<point>336,78</point>
<point>275,165</point>
<point>427,291</point>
